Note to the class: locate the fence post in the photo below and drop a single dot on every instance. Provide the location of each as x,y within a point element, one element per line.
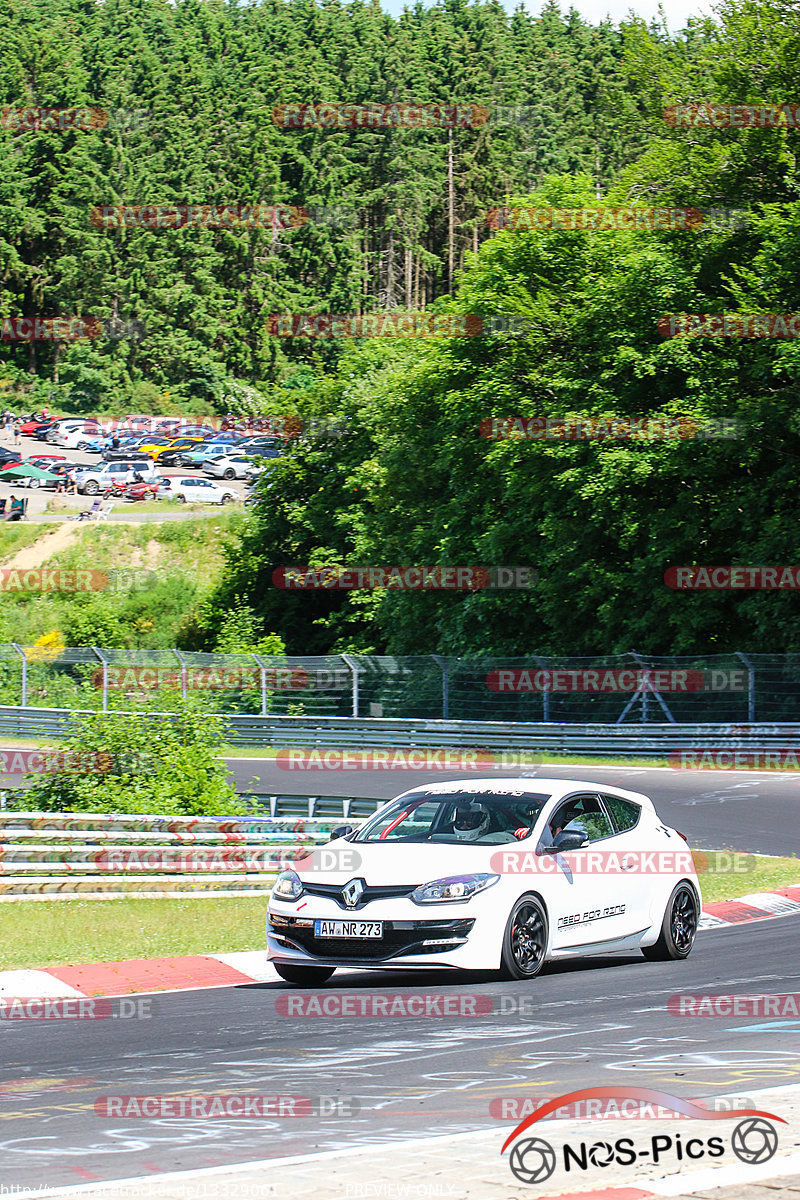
<point>545,693</point>
<point>354,668</point>
<point>263,671</point>
<point>184,680</point>
<point>96,650</point>
<point>751,686</point>
<point>445,668</point>
<point>24,658</point>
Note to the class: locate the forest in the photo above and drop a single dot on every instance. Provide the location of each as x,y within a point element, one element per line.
<point>583,323</point>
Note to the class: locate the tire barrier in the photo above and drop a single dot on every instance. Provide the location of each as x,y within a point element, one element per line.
<point>96,855</point>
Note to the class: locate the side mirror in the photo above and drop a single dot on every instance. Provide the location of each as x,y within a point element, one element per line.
<point>571,839</point>
<point>341,831</point>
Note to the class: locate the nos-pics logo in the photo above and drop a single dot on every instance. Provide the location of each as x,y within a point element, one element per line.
<point>533,1160</point>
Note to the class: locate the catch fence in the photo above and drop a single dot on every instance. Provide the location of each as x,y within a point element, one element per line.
<point>629,688</point>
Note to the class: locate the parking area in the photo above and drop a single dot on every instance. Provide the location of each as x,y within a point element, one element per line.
<point>44,499</point>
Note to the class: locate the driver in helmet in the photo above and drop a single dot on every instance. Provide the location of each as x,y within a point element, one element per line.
<point>471,821</point>
<point>568,822</point>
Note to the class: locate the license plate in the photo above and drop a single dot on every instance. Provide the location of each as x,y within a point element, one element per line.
<point>362,930</point>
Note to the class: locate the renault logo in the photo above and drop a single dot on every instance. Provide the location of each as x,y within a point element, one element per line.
<point>352,892</point>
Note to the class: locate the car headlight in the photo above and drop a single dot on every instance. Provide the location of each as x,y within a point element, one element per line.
<point>455,887</point>
<point>287,886</point>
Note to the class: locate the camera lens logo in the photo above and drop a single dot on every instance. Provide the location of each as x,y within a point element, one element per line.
<point>601,1154</point>
<point>754,1140</point>
<point>533,1160</point>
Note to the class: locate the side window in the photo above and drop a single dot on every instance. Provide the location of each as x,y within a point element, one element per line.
<point>624,813</point>
<point>581,812</point>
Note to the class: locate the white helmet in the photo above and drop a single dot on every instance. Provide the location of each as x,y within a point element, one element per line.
<point>471,820</point>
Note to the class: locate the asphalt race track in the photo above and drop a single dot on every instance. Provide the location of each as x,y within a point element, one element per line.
<point>717,810</point>
<point>601,1022</point>
<point>596,1022</point>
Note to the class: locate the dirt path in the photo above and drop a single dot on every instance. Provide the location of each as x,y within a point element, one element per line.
<point>43,549</point>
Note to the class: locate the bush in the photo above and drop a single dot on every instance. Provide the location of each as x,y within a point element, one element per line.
<point>141,762</point>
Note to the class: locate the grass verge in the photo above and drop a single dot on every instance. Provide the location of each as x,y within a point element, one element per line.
<point>49,933</point>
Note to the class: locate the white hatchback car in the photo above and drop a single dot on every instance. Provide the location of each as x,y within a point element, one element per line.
<point>194,490</point>
<point>228,466</point>
<point>488,874</point>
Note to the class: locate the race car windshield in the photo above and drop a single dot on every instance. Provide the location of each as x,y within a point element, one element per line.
<point>474,818</point>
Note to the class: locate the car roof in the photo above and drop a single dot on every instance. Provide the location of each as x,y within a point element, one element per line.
<point>502,785</point>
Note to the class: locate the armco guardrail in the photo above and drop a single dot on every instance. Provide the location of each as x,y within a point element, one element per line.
<point>596,741</point>
<point>85,854</point>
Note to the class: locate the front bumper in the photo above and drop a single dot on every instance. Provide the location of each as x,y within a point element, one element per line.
<point>462,936</point>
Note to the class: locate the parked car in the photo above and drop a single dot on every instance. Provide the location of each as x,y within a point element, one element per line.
<point>55,468</point>
<point>157,488</point>
<point>29,428</point>
<point>197,455</point>
<point>150,444</point>
<point>228,466</point>
<point>41,432</point>
<point>91,480</point>
<point>9,458</point>
<point>193,489</point>
<point>264,447</point>
<point>77,436</point>
<point>170,454</point>
<point>126,449</point>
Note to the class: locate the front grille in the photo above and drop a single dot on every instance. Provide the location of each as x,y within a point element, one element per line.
<point>333,891</point>
<point>399,938</point>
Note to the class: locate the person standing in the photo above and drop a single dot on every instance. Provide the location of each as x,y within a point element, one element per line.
<point>16,433</point>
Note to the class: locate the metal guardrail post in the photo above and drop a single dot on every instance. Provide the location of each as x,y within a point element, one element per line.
<point>184,673</point>
<point>751,686</point>
<point>96,650</point>
<point>346,658</point>
<point>23,656</point>
<point>445,668</point>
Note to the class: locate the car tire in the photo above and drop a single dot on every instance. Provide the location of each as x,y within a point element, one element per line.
<point>679,926</point>
<point>229,474</point>
<point>524,940</point>
<point>181,498</point>
<point>83,445</point>
<point>228,498</point>
<point>34,483</point>
<point>303,976</point>
<point>90,488</point>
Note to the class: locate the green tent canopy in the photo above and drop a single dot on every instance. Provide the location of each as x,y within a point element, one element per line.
<point>27,471</point>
